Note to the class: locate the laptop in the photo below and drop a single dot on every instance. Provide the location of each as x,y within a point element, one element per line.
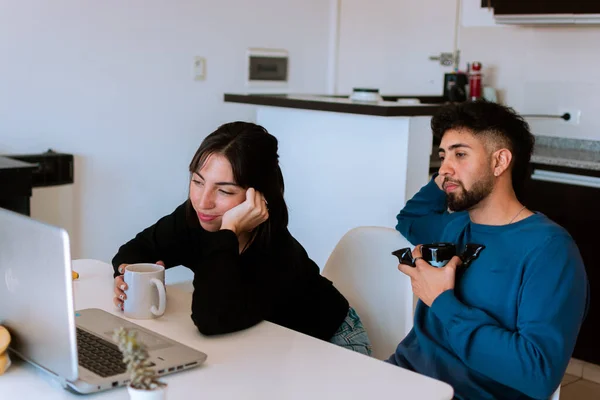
<point>36,306</point>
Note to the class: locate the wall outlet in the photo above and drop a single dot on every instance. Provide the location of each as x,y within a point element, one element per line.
<point>199,68</point>
<point>574,115</point>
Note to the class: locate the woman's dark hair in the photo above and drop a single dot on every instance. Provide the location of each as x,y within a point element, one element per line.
<point>252,153</point>
<point>502,125</point>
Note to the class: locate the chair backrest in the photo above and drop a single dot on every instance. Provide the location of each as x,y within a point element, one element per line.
<point>363,269</point>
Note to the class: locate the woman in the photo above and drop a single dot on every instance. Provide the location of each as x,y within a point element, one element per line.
<point>232,233</point>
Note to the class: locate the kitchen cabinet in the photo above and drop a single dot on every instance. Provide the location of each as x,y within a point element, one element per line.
<point>20,173</point>
<point>569,196</point>
<point>539,7</point>
<point>16,181</point>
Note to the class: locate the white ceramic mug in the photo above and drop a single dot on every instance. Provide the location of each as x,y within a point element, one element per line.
<point>146,295</point>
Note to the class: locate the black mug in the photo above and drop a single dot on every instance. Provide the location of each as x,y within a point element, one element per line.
<point>438,254</point>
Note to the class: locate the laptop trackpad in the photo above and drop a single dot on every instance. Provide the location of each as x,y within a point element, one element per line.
<point>152,342</point>
<point>103,324</point>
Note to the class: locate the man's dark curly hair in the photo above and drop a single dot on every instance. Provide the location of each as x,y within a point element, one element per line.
<point>497,123</point>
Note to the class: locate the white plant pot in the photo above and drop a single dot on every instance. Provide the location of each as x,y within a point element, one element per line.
<point>140,394</point>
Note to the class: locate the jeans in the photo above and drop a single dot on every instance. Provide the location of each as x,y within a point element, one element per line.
<point>352,334</point>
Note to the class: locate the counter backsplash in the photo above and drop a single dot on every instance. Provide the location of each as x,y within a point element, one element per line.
<point>567,143</point>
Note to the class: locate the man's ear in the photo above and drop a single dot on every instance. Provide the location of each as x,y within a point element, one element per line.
<point>501,161</point>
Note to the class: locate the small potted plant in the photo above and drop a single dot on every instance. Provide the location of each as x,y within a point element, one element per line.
<point>144,383</point>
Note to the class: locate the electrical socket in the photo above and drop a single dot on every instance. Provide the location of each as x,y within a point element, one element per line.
<point>574,113</point>
<point>199,68</point>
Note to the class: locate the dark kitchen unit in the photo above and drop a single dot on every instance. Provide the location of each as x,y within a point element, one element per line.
<point>16,181</point>
<point>546,7</point>
<point>565,186</point>
<point>20,173</point>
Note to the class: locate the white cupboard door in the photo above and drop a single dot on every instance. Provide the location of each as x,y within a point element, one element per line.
<point>386,44</point>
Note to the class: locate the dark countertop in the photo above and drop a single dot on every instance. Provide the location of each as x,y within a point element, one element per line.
<point>389,107</point>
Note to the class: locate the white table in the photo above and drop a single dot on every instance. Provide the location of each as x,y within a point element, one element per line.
<point>263,362</point>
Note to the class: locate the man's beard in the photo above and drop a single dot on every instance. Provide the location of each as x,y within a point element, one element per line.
<point>463,199</point>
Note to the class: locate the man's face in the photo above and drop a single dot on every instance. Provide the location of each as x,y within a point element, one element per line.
<point>466,168</point>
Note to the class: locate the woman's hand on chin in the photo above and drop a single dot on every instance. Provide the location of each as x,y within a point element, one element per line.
<point>248,215</point>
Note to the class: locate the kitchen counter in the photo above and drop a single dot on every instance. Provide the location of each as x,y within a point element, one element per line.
<point>563,152</point>
<point>388,107</point>
<point>552,151</point>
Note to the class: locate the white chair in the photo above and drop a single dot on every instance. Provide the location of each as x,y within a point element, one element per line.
<point>363,269</point>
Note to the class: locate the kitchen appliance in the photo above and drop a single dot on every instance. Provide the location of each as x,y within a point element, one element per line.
<point>455,86</point>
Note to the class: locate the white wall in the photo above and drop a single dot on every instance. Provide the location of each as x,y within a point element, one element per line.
<point>542,70</point>
<point>362,169</point>
<point>111,82</point>
<point>385,44</point>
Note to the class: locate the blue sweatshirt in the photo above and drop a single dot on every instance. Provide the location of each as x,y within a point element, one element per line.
<point>508,329</point>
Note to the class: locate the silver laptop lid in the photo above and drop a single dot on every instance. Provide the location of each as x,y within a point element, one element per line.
<point>36,294</point>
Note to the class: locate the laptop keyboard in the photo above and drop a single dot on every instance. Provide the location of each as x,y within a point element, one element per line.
<point>99,355</point>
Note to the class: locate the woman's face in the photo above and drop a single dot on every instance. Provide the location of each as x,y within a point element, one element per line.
<point>213,192</point>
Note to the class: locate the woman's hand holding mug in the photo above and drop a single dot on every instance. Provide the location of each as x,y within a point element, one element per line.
<point>120,286</point>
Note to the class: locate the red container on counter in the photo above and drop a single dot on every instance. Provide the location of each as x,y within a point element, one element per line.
<point>475,86</point>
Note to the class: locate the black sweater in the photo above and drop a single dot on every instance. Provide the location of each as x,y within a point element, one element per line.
<point>235,291</point>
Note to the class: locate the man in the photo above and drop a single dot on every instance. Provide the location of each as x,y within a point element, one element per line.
<point>505,327</point>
